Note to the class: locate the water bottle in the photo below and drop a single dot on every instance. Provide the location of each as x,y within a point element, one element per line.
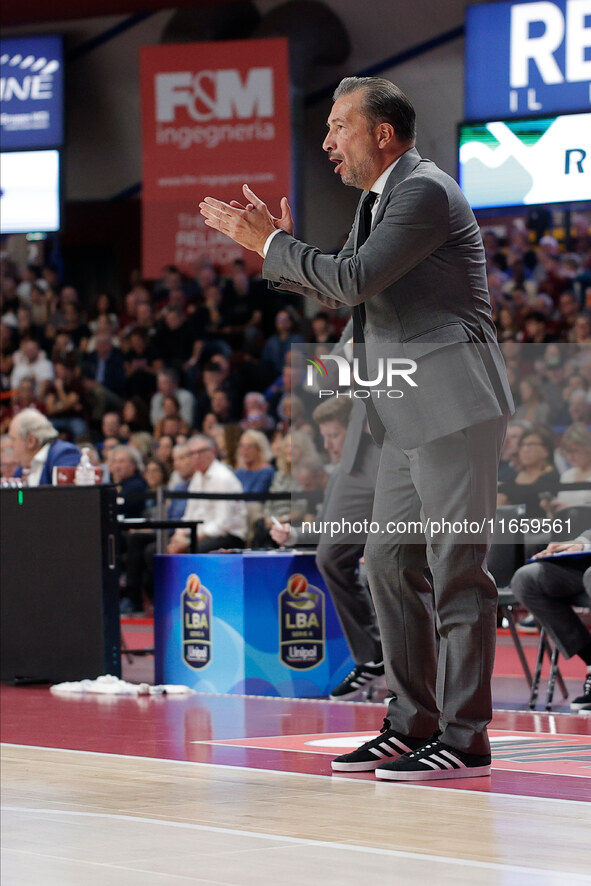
<point>84,475</point>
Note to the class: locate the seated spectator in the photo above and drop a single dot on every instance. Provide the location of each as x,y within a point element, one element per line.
<point>254,471</point>
<point>141,546</point>
<point>294,449</point>
<point>546,589</point>
<point>507,326</point>
<point>139,357</point>
<point>104,326</point>
<point>581,330</point>
<point>23,398</point>
<point>172,342</point>
<point>224,522</point>
<point>103,307</point>
<point>244,299</point>
<point>73,325</point>
<point>183,471</point>
<point>31,362</point>
<point>227,440</point>
<point>156,476</point>
<point>278,345</point>
<point>537,478</point>
<point>221,407</point>
<point>125,465</point>
<point>144,443</point>
<point>107,447</point>
<point>533,407</point>
<point>576,446</point>
<point>37,448</point>
<point>509,461</point>
<point>256,416</point>
<point>64,400</point>
<point>25,327</point>
<point>164,449</point>
<point>103,373</point>
<point>171,413</point>
<point>111,425</point>
<point>579,406</point>
<point>135,416</point>
<point>167,382</point>
<point>321,329</point>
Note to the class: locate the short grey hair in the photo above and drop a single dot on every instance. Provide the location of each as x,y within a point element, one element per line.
<point>31,421</point>
<point>383,102</point>
<point>133,454</point>
<point>203,438</point>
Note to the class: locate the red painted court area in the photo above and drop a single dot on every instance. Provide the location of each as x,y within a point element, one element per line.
<point>534,754</point>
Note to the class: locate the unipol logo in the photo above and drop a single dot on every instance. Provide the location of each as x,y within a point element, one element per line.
<point>215,95</point>
<point>538,31</point>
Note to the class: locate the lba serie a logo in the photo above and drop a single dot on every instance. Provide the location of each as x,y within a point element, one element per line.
<point>301,624</point>
<point>196,611</point>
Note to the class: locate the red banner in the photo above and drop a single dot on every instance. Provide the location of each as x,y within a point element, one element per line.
<point>215,116</point>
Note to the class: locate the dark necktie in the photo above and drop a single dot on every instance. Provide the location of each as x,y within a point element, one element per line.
<point>363,232</point>
<point>364,227</point>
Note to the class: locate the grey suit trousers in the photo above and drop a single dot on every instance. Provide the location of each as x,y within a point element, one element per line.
<point>547,589</point>
<point>351,498</point>
<point>445,685</point>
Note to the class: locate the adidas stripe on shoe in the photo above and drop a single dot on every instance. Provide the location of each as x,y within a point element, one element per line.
<point>359,683</point>
<point>435,761</point>
<point>388,745</point>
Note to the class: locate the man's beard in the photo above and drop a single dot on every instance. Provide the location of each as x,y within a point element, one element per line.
<point>357,176</point>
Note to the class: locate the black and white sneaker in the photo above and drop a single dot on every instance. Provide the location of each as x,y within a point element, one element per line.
<point>433,761</point>
<point>360,683</point>
<point>583,702</point>
<point>388,745</point>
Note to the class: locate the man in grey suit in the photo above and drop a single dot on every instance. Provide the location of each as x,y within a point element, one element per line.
<point>348,499</point>
<point>413,269</point>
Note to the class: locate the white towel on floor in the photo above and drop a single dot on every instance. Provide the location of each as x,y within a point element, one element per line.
<point>109,685</point>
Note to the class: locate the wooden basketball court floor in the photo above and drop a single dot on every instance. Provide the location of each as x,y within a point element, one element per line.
<point>238,791</point>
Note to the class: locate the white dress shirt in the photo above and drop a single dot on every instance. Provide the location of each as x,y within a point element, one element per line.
<point>219,517</point>
<point>377,188</point>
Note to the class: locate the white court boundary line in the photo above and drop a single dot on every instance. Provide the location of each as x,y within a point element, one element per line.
<point>332,776</point>
<point>300,841</point>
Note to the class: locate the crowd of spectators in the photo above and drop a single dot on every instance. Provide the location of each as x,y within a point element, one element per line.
<point>207,357</point>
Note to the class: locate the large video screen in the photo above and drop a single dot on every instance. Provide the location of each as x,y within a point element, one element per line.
<point>29,192</point>
<point>526,162</point>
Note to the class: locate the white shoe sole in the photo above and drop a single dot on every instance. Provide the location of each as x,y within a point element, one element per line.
<point>357,767</point>
<point>584,706</point>
<point>432,774</point>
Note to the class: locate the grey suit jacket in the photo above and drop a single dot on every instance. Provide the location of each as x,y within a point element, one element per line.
<point>418,284</point>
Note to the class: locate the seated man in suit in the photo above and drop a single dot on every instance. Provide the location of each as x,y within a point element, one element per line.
<point>37,448</point>
<point>547,589</point>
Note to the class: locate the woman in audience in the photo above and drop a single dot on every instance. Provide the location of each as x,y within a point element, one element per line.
<point>537,478</point>
<point>103,308</point>
<point>296,448</point>
<point>156,475</point>
<point>576,446</point>
<point>172,413</point>
<point>254,456</point>
<point>533,408</point>
<point>135,415</point>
